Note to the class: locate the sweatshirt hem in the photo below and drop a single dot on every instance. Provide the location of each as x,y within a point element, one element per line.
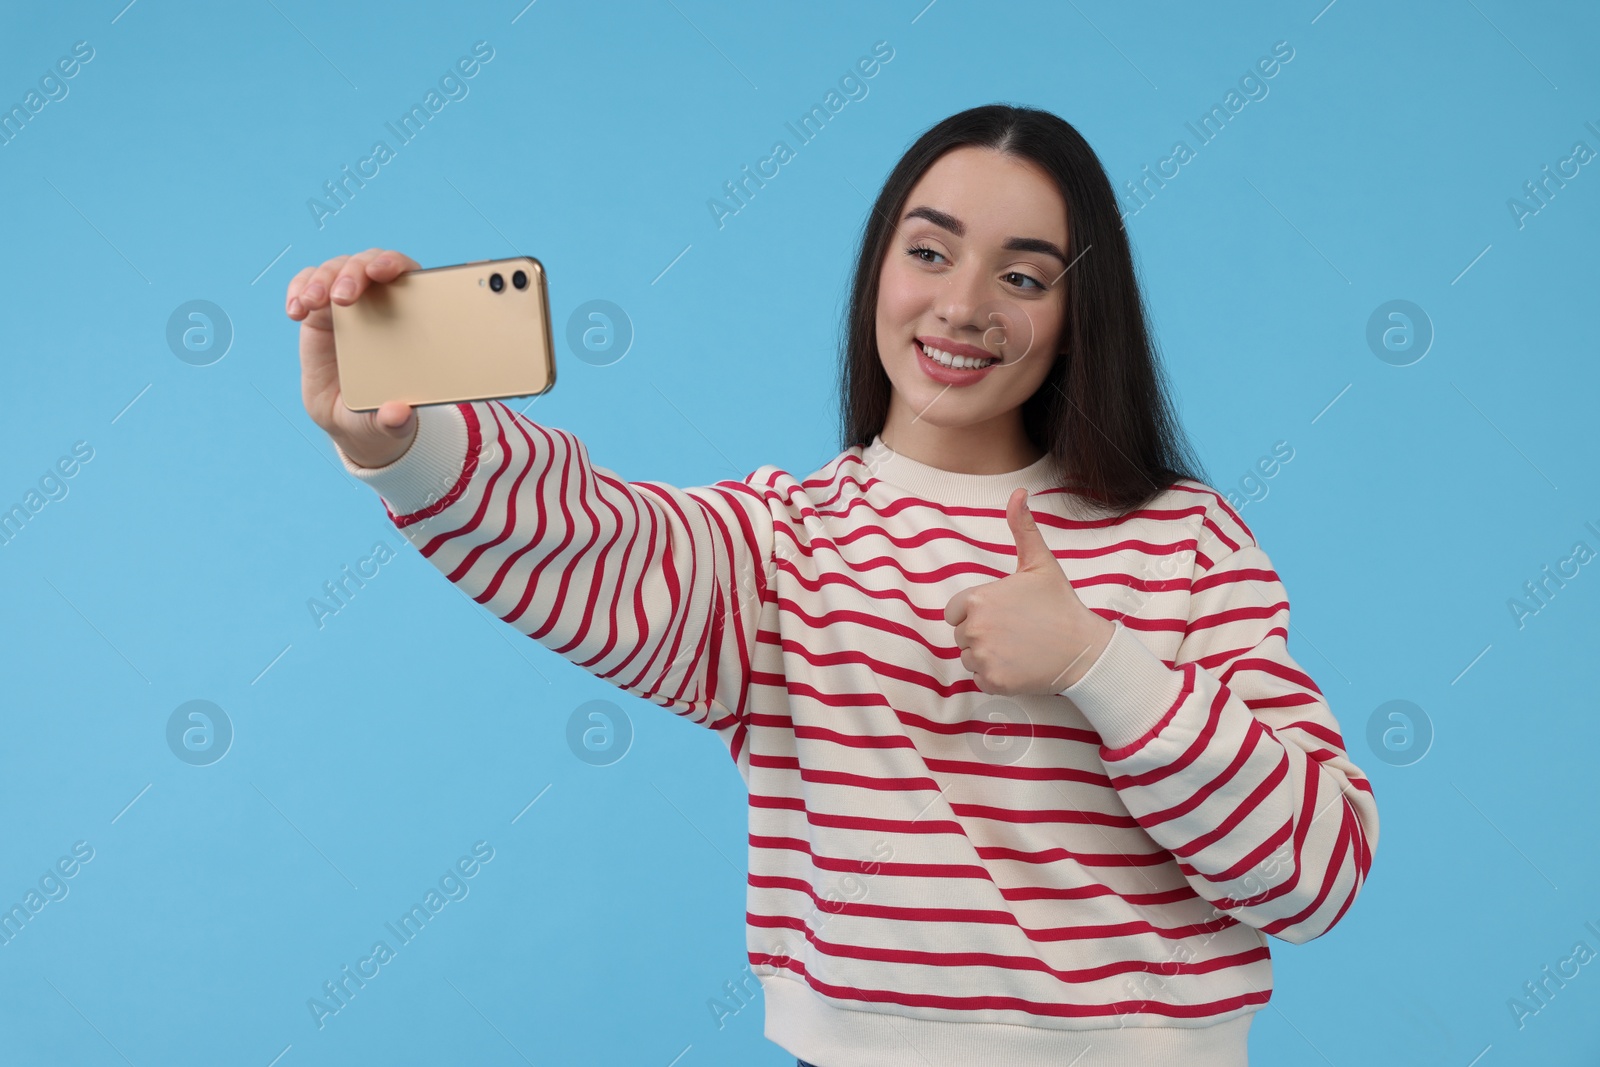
<point>806,1025</point>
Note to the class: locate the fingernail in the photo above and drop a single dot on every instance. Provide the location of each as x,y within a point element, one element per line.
<point>294,306</point>
<point>344,287</point>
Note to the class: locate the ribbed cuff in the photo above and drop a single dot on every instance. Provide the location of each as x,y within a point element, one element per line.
<point>426,471</point>
<point>1126,691</point>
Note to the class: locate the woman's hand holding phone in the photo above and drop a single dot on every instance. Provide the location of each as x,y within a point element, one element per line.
<point>369,438</point>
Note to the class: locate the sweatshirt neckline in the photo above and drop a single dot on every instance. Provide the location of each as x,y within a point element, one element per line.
<point>951,487</point>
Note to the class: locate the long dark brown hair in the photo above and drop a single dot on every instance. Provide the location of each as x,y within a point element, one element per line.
<point>1103,412</point>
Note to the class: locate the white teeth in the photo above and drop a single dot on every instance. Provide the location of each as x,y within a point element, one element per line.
<point>958,362</point>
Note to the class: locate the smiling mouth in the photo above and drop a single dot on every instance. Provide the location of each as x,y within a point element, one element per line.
<point>945,359</point>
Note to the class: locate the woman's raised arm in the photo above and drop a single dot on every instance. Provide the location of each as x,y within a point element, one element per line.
<point>653,588</point>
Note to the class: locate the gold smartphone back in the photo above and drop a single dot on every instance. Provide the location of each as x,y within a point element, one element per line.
<point>444,334</point>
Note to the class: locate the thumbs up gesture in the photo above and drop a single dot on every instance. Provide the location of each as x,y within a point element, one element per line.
<point>1027,633</point>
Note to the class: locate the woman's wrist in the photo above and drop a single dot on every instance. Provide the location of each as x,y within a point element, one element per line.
<point>373,454</point>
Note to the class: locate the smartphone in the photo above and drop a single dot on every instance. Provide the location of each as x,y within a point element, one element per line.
<point>469,331</point>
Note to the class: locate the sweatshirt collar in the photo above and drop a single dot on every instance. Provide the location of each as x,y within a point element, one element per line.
<point>953,488</point>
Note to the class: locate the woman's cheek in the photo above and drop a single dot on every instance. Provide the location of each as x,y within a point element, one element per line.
<point>897,316</point>
<point>895,297</point>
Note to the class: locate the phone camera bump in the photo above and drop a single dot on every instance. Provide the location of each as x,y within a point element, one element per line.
<point>496,282</point>
<point>520,279</point>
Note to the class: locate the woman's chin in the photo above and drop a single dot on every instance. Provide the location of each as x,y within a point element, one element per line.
<point>948,409</point>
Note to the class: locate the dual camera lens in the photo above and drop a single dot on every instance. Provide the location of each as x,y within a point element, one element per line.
<point>519,279</point>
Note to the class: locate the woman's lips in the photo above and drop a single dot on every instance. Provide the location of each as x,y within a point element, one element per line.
<point>954,348</point>
<point>948,375</point>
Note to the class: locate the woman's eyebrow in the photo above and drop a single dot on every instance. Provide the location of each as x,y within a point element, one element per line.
<point>945,220</point>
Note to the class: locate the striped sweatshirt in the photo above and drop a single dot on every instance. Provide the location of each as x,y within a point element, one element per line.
<point>940,876</point>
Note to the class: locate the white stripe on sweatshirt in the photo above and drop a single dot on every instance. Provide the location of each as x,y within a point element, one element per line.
<point>939,876</point>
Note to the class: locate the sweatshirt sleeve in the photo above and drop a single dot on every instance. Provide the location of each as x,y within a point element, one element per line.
<point>653,588</point>
<point>1231,759</point>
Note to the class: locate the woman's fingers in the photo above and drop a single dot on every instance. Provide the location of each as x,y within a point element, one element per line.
<point>373,265</point>
<point>388,265</point>
<point>309,289</point>
<point>347,285</point>
<point>315,292</point>
<point>343,279</point>
<point>291,302</point>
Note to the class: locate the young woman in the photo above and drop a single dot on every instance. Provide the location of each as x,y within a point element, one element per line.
<point>1032,774</point>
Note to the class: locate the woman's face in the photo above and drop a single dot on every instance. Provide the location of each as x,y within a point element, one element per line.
<point>976,266</point>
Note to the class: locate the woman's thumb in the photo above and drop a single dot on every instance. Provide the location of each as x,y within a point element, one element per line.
<point>393,417</point>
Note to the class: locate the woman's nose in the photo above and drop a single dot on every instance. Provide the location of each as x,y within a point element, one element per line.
<point>959,304</point>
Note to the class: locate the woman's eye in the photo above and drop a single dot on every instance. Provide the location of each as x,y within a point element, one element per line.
<point>922,252</point>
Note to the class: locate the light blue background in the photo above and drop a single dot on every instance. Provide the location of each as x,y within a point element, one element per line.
<point>376,750</point>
